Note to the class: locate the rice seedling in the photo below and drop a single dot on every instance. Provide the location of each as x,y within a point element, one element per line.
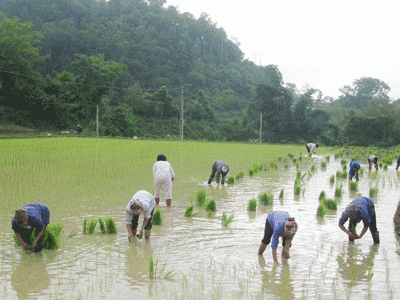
<point>338,192</point>
<point>201,197</point>
<point>290,155</point>
<point>189,211</point>
<point>102,226</point>
<point>344,168</point>
<point>281,194</point>
<point>330,204</point>
<point>91,226</point>
<point>266,198</point>
<point>332,179</point>
<point>251,171</point>
<point>286,166</point>
<point>353,186</point>
<point>297,189</point>
<point>157,217</point>
<point>373,192</point>
<point>298,175</point>
<point>252,205</point>
<point>361,171</point>
<point>227,220</point>
<point>239,175</point>
<point>322,195</point>
<point>321,210</point>
<point>231,180</point>
<point>84,226</point>
<point>72,234</point>
<point>111,227</point>
<point>323,164</point>
<point>327,158</point>
<point>156,272</point>
<point>294,160</point>
<point>51,237</point>
<point>211,206</point>
<point>343,162</point>
<point>313,168</point>
<point>385,167</point>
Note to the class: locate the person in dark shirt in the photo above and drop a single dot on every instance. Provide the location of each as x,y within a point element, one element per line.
<point>354,167</point>
<point>33,217</point>
<point>219,168</point>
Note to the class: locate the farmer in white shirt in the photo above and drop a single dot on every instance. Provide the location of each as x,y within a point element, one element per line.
<point>163,177</point>
<point>141,202</point>
<point>373,159</point>
<point>311,146</point>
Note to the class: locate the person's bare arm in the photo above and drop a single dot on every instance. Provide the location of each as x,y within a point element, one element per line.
<point>349,233</point>
<point>24,245</point>
<point>363,231</point>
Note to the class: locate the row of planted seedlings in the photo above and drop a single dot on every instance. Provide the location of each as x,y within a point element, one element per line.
<point>210,206</point>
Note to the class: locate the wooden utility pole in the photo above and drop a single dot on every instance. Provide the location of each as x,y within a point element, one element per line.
<point>260,137</point>
<point>182,119</point>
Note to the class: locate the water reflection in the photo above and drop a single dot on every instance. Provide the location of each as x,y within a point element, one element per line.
<point>355,267</point>
<point>277,280</point>
<point>30,276</point>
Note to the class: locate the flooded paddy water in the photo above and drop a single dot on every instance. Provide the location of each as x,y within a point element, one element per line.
<point>194,257</point>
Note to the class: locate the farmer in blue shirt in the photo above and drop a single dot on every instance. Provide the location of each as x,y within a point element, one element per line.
<point>31,217</point>
<point>360,209</point>
<point>354,167</point>
<point>219,168</point>
<point>278,224</point>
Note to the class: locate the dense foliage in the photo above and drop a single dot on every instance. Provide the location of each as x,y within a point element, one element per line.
<point>139,62</point>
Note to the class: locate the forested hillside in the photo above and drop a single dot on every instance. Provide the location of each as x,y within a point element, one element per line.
<point>139,62</point>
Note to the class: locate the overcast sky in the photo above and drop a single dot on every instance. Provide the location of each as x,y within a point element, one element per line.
<point>320,43</point>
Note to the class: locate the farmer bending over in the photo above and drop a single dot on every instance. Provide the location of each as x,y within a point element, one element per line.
<point>354,167</point>
<point>278,224</point>
<point>141,202</point>
<point>219,168</point>
<point>33,217</point>
<point>360,209</point>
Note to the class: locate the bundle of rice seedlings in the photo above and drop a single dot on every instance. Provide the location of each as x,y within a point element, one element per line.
<point>266,198</point>
<point>211,206</point>
<point>353,185</point>
<point>330,204</point>
<point>157,217</point>
<point>338,192</point>
<point>189,211</point>
<point>252,205</point>
<point>297,189</point>
<point>251,171</point>
<point>373,192</point>
<point>281,194</point>
<point>321,211</point>
<point>323,164</point>
<point>321,195</point>
<point>91,226</point>
<point>102,226</point>
<point>201,197</point>
<point>111,227</point>
<point>51,237</point>
<point>231,180</point>
<point>332,179</point>
<point>227,220</point>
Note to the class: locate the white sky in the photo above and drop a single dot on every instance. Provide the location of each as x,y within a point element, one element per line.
<point>325,44</point>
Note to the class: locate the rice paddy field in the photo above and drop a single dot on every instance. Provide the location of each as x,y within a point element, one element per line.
<point>206,251</point>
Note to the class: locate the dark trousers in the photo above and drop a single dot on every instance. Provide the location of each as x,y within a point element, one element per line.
<point>268,231</point>
<point>135,221</point>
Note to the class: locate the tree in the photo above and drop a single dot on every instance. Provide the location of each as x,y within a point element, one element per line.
<point>18,57</point>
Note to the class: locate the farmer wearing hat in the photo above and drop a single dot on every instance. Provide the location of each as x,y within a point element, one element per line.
<point>33,217</point>
<point>278,224</point>
<point>163,177</point>
<point>220,168</point>
<point>141,202</point>
<point>360,209</point>
<point>354,167</point>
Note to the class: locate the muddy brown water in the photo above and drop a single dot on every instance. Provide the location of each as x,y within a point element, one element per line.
<point>198,258</point>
